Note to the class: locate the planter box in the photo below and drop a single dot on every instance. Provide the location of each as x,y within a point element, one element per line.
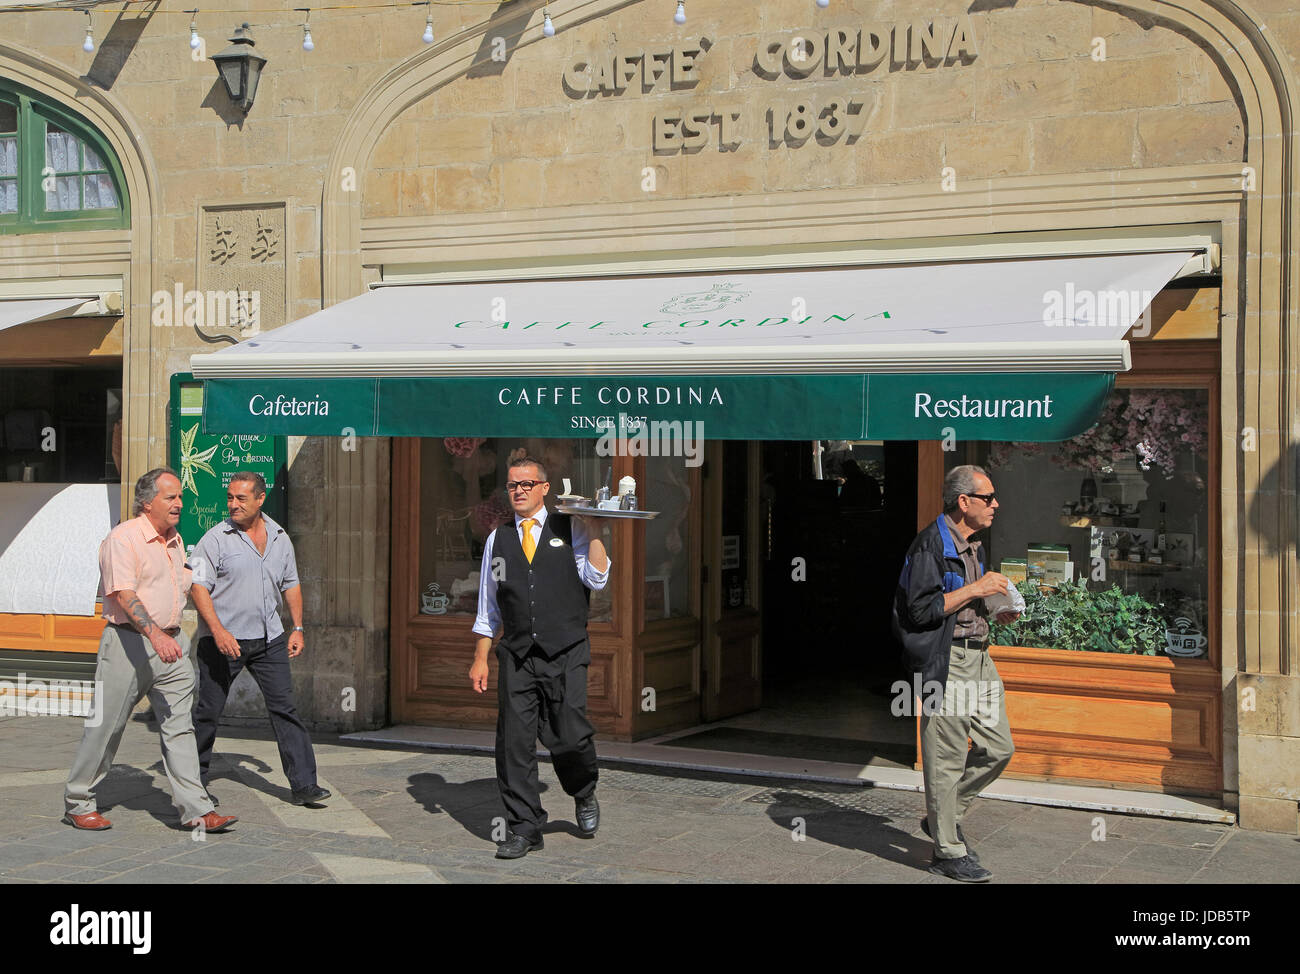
<point>1145,721</point>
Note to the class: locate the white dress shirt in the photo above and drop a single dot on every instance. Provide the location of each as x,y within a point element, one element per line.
<point>488,620</point>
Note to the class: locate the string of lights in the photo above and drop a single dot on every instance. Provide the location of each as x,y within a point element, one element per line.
<point>195,41</point>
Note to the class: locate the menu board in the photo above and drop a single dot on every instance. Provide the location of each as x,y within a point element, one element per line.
<point>206,462</point>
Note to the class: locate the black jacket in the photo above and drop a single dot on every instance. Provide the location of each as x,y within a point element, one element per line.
<point>932,569</point>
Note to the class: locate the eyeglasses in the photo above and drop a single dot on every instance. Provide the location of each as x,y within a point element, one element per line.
<point>986,498</point>
<point>511,485</point>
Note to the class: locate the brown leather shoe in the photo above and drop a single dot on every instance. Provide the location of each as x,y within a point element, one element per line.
<point>212,822</point>
<point>90,822</point>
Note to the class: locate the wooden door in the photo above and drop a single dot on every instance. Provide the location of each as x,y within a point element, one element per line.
<point>732,677</point>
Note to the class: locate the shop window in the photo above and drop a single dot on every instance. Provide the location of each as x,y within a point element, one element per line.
<point>55,171</point>
<point>463,499</point>
<point>1108,534</point>
<point>61,425</point>
<point>667,538</point>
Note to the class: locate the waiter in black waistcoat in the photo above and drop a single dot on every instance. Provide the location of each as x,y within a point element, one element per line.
<point>534,587</point>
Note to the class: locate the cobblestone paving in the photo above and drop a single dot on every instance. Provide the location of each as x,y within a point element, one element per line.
<point>429,817</point>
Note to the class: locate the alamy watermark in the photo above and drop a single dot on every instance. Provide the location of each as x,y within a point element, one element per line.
<point>237,309</point>
<point>51,698</point>
<point>1086,308</point>
<point>957,698</point>
<point>637,436</point>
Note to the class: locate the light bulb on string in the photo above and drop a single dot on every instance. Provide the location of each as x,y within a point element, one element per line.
<point>680,16</point>
<point>427,36</point>
<point>88,45</point>
<point>548,28</point>
<point>195,41</point>
<point>307,43</point>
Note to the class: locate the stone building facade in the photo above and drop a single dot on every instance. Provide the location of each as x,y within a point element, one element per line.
<point>627,140</point>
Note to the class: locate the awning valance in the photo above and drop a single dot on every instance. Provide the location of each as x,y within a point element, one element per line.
<point>1007,349</point>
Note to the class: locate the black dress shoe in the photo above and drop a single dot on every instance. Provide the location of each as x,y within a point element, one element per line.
<point>961,837</point>
<point>213,798</point>
<point>964,869</point>
<point>587,811</point>
<point>311,795</point>
<point>518,846</point>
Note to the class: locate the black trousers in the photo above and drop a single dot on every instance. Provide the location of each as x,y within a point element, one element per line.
<point>547,699</point>
<point>269,664</point>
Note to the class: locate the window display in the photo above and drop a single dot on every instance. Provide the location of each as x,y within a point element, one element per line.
<point>58,425</point>
<point>1108,534</point>
<point>462,500</point>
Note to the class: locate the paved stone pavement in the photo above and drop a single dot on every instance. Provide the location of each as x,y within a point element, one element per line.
<point>402,816</point>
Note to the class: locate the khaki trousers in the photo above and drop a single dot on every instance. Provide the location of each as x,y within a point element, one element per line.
<point>127,669</point>
<point>955,773</point>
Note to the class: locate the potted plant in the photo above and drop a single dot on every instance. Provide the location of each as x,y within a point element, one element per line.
<point>1073,617</point>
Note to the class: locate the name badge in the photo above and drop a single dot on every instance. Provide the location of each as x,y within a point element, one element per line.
<point>557,543</point>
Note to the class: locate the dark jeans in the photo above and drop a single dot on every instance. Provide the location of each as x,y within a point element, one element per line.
<point>546,698</point>
<point>269,664</point>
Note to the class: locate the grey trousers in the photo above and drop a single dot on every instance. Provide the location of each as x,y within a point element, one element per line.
<point>127,669</point>
<point>955,773</point>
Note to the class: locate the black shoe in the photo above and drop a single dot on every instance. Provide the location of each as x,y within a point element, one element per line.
<point>311,795</point>
<point>961,837</point>
<point>587,811</point>
<point>518,846</point>
<point>213,798</point>
<point>965,869</point>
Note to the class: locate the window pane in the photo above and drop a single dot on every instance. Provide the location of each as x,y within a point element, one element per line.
<point>1123,513</point>
<point>107,194</point>
<point>8,196</point>
<point>64,196</point>
<point>61,150</point>
<point>8,117</point>
<point>462,499</point>
<point>92,160</point>
<point>667,540</point>
<point>9,156</point>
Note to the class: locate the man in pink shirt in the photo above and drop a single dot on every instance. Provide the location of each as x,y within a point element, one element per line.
<point>143,651</point>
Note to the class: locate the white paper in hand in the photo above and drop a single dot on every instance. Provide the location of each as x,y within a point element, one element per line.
<point>1010,601</point>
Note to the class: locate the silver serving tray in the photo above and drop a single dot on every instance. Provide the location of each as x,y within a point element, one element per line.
<point>598,512</point>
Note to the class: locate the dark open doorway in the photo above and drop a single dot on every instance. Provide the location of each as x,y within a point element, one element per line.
<point>830,550</point>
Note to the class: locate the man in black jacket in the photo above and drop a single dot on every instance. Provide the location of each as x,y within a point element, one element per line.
<point>940,619</point>
<point>534,587</point>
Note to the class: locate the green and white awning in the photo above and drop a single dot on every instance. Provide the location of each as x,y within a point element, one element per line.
<point>997,349</point>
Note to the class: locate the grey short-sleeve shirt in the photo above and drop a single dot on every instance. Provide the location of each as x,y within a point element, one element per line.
<point>245,586</point>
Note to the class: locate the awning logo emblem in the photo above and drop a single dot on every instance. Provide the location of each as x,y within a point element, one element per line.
<point>716,298</point>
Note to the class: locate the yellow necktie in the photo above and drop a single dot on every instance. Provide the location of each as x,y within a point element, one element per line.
<point>530,546</point>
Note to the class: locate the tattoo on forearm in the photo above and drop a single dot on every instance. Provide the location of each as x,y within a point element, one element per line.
<point>140,616</point>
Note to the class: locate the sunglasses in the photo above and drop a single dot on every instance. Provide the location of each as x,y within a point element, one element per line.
<point>511,485</point>
<point>986,498</point>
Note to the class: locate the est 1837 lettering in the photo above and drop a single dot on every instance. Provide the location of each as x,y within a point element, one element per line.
<point>830,119</point>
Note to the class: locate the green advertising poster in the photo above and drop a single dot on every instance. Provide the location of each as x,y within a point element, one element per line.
<point>206,461</point>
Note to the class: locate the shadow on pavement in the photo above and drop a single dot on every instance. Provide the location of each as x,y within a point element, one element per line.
<point>464,802</point>
<point>849,828</point>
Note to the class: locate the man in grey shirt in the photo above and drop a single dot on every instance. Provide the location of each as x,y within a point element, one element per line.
<point>241,567</point>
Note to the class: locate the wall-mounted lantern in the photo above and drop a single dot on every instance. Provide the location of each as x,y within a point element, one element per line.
<point>240,68</point>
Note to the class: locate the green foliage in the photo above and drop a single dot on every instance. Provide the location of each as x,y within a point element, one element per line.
<point>1073,617</point>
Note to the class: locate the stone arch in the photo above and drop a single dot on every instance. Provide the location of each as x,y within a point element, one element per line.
<point>119,128</point>
<point>1263,632</point>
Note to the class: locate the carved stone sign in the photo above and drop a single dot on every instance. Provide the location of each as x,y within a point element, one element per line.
<point>242,256</point>
<point>828,116</point>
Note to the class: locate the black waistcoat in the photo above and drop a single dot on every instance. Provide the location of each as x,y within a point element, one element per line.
<point>544,602</point>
